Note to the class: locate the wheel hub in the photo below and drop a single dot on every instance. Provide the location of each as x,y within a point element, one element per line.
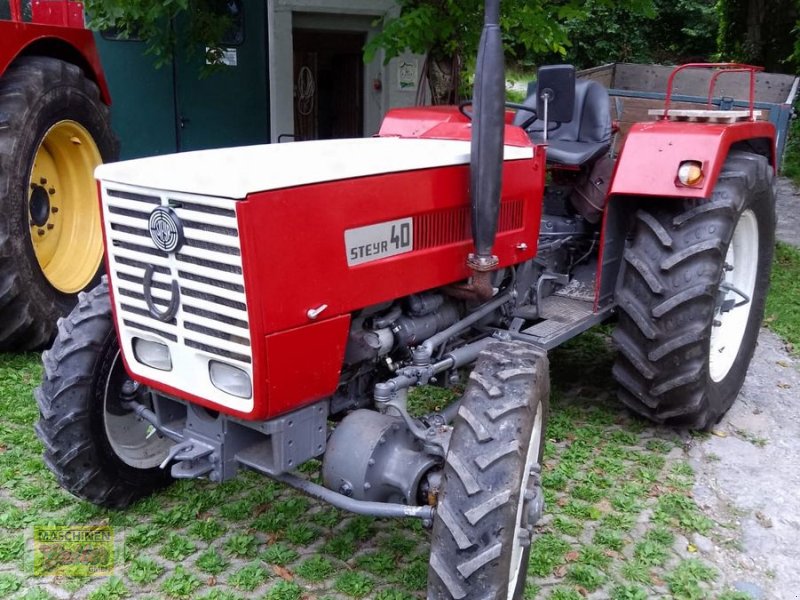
<point>133,440</point>
<point>39,206</point>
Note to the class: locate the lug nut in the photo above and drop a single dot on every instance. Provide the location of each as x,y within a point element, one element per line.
<point>43,180</point>
<point>54,210</point>
<point>51,191</point>
<point>50,226</point>
<point>40,232</point>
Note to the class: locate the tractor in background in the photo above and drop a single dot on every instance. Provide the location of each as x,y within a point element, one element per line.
<point>55,129</point>
<point>267,305</point>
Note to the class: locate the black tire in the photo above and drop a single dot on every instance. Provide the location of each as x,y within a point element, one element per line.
<point>82,372</point>
<point>35,94</point>
<point>477,513</point>
<point>669,295</point>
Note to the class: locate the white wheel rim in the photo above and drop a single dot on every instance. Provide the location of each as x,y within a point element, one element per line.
<point>741,269</point>
<point>517,547</point>
<point>134,441</point>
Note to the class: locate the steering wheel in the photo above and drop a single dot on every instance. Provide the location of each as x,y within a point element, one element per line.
<point>462,108</point>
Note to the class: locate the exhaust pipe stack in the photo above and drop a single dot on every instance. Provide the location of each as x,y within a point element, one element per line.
<point>488,126</point>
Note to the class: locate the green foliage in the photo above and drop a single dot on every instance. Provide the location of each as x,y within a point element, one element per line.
<point>760,33</point>
<point>783,302</point>
<point>144,570</point>
<point>685,581</point>
<point>452,27</point>
<point>355,585</point>
<point>679,30</point>
<point>203,23</point>
<point>111,589</point>
<point>180,584</point>
<point>284,590</point>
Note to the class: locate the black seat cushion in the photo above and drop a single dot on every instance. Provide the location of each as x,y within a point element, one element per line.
<point>584,138</point>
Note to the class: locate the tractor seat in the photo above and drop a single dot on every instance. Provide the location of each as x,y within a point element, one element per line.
<point>583,139</point>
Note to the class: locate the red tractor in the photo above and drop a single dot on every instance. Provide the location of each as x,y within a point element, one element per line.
<point>267,305</point>
<point>55,129</point>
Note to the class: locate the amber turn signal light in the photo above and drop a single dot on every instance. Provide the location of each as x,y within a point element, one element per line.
<point>690,172</point>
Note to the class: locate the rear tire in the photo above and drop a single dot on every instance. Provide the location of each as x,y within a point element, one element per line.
<point>683,357</point>
<point>54,129</point>
<point>97,450</point>
<point>491,493</point>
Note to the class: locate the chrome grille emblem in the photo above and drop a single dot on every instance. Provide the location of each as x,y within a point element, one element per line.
<point>166,229</point>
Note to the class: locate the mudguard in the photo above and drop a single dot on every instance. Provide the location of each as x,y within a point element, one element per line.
<point>72,44</point>
<point>649,161</point>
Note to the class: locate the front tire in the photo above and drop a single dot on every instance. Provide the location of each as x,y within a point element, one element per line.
<point>691,297</point>
<point>491,492</point>
<point>98,450</point>
<point>54,131</point>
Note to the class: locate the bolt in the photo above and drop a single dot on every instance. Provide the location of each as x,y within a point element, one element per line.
<point>371,462</point>
<point>717,323</point>
<point>51,191</point>
<point>367,485</point>
<point>40,232</point>
<point>43,181</point>
<point>727,267</point>
<point>54,210</point>
<point>346,489</point>
<point>524,537</point>
<point>50,226</point>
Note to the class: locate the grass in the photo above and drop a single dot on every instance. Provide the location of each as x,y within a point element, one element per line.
<point>783,302</point>
<point>791,159</point>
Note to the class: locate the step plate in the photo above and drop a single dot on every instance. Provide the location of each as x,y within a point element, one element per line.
<point>563,318</point>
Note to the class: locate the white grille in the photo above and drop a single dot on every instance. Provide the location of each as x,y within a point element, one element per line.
<point>211,323</point>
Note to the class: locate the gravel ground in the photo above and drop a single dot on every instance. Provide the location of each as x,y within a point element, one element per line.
<point>747,476</point>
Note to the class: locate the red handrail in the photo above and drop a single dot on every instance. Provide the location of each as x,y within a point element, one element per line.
<point>723,68</point>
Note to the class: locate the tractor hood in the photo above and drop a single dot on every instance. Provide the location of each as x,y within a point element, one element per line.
<point>238,172</point>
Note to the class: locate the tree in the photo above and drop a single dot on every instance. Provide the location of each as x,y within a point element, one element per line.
<point>680,31</point>
<point>203,23</point>
<point>448,32</point>
<point>761,32</point>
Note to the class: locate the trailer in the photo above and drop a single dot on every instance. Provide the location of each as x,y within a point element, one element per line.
<point>636,90</point>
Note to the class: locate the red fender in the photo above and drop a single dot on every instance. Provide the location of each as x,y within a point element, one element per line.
<point>72,44</point>
<point>649,161</point>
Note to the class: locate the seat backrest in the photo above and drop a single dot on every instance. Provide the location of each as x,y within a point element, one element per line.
<point>591,118</point>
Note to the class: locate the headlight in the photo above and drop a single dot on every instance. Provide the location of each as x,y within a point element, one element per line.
<point>152,354</point>
<point>690,172</point>
<point>231,380</point>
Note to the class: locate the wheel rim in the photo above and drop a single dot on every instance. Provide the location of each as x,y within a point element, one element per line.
<point>736,291</point>
<point>133,440</point>
<point>63,214</point>
<point>529,506</point>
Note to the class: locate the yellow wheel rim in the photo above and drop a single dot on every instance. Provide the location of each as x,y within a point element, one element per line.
<point>63,211</point>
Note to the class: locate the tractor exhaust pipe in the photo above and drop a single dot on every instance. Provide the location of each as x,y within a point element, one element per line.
<point>488,126</point>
